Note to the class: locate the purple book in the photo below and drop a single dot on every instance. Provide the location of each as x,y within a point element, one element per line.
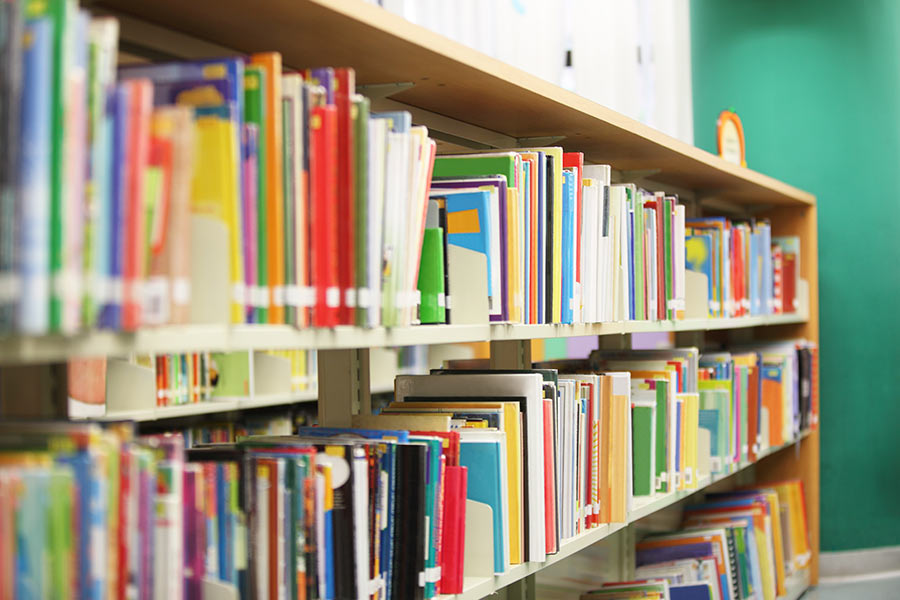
<point>250,174</point>
<point>323,76</point>
<point>652,556</point>
<point>193,538</point>
<point>498,182</point>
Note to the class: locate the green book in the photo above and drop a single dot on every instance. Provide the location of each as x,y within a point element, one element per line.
<point>643,415</point>
<point>360,114</point>
<point>668,208</point>
<point>255,113</point>
<point>477,165</point>
<point>62,13</point>
<point>432,481</point>
<point>662,436</point>
<point>59,531</point>
<point>431,277</point>
<point>231,374</point>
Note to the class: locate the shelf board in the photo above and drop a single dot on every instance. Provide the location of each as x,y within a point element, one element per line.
<point>221,338</point>
<point>476,588</point>
<point>456,82</point>
<point>220,406</point>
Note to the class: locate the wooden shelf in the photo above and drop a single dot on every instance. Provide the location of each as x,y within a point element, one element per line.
<point>457,82</point>
<point>476,588</point>
<point>195,338</point>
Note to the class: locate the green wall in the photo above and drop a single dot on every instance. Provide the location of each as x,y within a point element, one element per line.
<point>817,86</point>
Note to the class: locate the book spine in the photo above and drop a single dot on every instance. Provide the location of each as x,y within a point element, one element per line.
<point>11,90</point>
<point>34,175</point>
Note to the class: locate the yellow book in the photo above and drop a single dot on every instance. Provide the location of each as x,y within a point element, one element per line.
<point>777,540</point>
<point>692,425</point>
<point>214,191</point>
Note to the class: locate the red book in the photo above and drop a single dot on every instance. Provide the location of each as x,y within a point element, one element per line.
<point>125,491</point>
<point>549,481</point>
<point>778,278</point>
<point>140,105</point>
<point>576,160</point>
<point>345,87</point>
<point>752,411</point>
<point>454,538</point>
<point>323,208</point>
<point>789,282</point>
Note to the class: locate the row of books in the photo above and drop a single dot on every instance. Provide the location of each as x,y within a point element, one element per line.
<point>121,183</point>
<point>563,245</point>
<point>748,271</point>
<point>558,450</point>
<point>740,544</point>
<point>190,378</point>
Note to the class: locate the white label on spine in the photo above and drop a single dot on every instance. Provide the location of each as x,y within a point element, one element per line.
<point>350,297</point>
<point>181,290</point>
<point>278,295</point>
<point>333,297</point>
<point>292,295</point>
<point>418,297</point>
<point>688,476</point>
<point>440,300</point>
<point>447,301</point>
<point>307,296</point>
<point>262,297</point>
<point>238,292</point>
<point>363,297</point>
<point>422,576</point>
<point>432,574</point>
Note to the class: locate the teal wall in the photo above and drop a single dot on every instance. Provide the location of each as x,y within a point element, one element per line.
<point>817,86</point>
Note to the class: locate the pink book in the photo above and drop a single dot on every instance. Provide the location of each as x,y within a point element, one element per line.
<point>250,180</point>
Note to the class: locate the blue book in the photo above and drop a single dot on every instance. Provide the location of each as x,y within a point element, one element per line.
<point>462,232</point>
<point>698,256</point>
<point>709,419</point>
<point>92,510</point>
<point>31,535</point>
<point>568,246</point>
<point>34,176</point>
<point>482,454</point>
<point>755,275</point>
<point>400,121</point>
<point>690,591</point>
<point>652,556</point>
<point>111,310</point>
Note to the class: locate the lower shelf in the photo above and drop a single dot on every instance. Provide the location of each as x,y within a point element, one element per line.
<point>480,587</point>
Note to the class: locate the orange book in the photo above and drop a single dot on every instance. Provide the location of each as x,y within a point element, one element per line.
<point>773,402</point>
<point>271,62</point>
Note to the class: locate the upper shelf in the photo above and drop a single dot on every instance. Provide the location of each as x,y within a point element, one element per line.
<point>458,82</point>
<point>195,338</point>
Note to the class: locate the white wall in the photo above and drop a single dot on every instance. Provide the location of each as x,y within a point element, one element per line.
<point>630,55</point>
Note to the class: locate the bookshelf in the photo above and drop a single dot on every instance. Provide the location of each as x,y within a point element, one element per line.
<point>468,99</point>
<point>223,338</point>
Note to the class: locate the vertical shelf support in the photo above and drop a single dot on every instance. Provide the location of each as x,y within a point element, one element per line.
<point>615,342</point>
<point>511,354</point>
<point>343,386</point>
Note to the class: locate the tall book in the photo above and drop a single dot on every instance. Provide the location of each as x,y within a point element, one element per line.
<point>271,63</point>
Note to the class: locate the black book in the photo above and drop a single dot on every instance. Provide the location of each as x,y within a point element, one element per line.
<point>548,242</point>
<point>409,524</point>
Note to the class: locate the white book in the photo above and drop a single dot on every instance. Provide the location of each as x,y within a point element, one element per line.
<point>678,257</point>
<point>361,521</point>
<point>525,385</point>
<point>370,299</point>
<point>589,244</point>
